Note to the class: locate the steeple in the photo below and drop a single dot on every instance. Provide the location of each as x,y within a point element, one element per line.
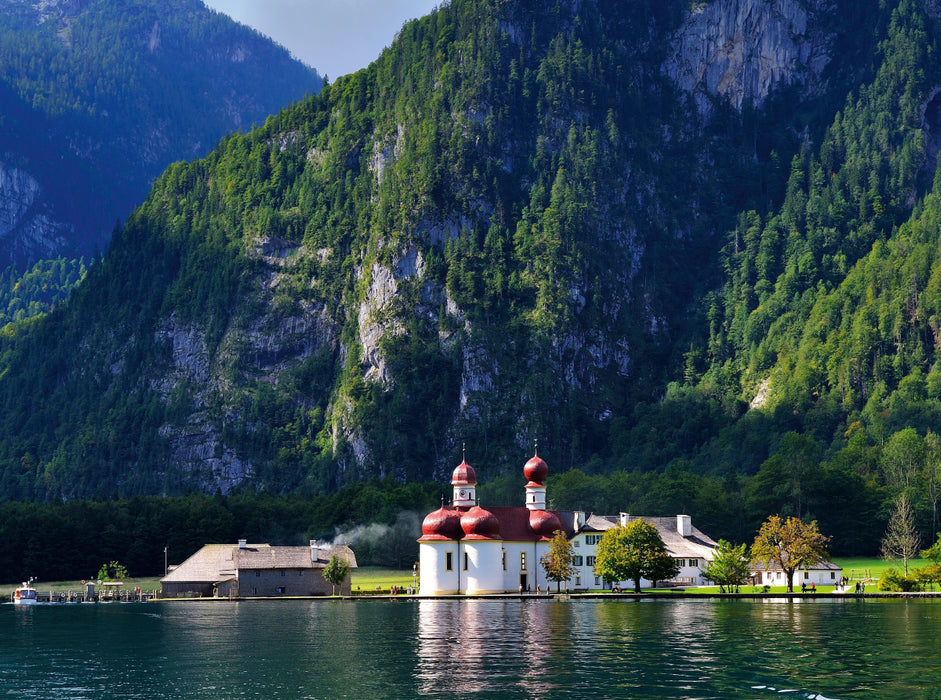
<point>536,471</point>
<point>464,481</point>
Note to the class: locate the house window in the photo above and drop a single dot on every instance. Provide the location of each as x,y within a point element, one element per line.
<point>466,561</point>
<point>806,574</point>
<point>522,561</point>
<point>577,543</point>
<point>832,575</point>
<point>257,573</point>
<point>449,561</point>
<point>577,560</point>
<point>578,580</point>
<point>681,563</point>
<point>694,562</point>
<point>593,539</point>
<point>590,561</point>
<point>283,572</point>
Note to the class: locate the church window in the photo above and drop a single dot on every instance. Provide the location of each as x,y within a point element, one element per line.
<point>449,561</point>
<point>522,561</point>
<point>504,560</point>
<point>466,561</point>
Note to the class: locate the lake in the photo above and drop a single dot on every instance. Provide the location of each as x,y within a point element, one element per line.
<point>506,648</point>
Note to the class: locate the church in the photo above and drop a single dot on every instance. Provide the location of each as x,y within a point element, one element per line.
<point>466,549</point>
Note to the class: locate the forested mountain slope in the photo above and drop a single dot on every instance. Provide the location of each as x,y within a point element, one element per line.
<point>99,96</point>
<point>519,224</point>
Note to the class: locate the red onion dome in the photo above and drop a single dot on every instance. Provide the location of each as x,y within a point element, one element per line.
<point>444,523</point>
<point>478,523</point>
<point>464,475</point>
<point>536,470</point>
<point>544,523</point>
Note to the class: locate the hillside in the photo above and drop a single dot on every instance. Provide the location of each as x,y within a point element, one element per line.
<point>99,96</point>
<point>657,238</point>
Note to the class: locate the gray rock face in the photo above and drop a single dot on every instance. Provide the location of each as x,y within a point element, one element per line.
<point>25,222</point>
<point>742,49</point>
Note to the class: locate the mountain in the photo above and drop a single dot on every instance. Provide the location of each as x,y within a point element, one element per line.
<point>655,237</point>
<point>99,96</point>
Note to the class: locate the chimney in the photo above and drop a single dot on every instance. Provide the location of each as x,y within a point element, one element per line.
<point>684,525</point>
<point>625,519</point>
<point>579,519</point>
<point>243,544</point>
<point>314,551</point>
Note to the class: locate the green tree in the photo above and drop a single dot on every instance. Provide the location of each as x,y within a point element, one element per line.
<point>901,540</point>
<point>336,571</point>
<point>789,545</point>
<point>631,552</point>
<point>112,571</point>
<point>729,566</point>
<point>557,562</point>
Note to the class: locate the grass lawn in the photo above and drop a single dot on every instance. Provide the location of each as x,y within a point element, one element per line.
<point>375,580</point>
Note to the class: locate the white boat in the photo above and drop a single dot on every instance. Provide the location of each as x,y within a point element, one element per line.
<point>25,594</point>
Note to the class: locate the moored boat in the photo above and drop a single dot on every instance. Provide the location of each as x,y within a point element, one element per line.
<point>25,594</point>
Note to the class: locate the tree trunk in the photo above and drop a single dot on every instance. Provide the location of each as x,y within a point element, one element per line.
<point>637,585</point>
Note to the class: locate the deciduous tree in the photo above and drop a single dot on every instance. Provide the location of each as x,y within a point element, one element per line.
<point>789,545</point>
<point>901,540</point>
<point>336,571</point>
<point>631,552</point>
<point>557,562</point>
<point>729,567</point>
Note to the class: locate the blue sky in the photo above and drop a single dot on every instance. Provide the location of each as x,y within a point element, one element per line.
<point>334,36</point>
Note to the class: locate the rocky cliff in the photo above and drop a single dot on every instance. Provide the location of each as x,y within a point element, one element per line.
<point>741,50</point>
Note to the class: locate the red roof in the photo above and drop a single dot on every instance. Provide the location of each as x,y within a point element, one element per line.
<point>464,475</point>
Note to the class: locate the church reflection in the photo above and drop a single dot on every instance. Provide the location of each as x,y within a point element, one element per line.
<point>477,646</point>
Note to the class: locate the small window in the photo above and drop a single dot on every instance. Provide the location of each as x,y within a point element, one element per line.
<point>577,543</point>
<point>522,561</point>
<point>832,575</point>
<point>806,574</point>
<point>257,573</point>
<point>578,580</point>
<point>283,572</point>
<point>504,560</point>
<point>449,561</point>
<point>466,561</point>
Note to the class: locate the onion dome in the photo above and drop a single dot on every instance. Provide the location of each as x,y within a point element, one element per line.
<point>536,470</point>
<point>478,523</point>
<point>442,524</point>
<point>464,475</point>
<point>544,524</point>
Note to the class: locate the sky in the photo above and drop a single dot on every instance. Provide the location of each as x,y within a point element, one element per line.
<point>336,37</point>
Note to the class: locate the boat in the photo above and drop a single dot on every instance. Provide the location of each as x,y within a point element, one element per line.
<point>25,594</point>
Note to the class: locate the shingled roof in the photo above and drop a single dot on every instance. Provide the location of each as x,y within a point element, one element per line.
<point>215,563</point>
<point>696,546</point>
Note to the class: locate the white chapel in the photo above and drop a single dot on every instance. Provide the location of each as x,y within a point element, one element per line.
<point>466,549</point>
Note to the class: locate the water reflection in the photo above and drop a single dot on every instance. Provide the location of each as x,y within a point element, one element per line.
<point>475,648</point>
<point>508,646</point>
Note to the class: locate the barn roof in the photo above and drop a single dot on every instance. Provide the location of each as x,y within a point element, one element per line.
<point>215,563</point>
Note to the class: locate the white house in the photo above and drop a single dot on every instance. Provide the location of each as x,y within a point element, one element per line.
<point>466,549</point>
<point>824,573</point>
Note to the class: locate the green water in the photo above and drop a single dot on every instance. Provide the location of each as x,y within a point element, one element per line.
<point>477,648</point>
